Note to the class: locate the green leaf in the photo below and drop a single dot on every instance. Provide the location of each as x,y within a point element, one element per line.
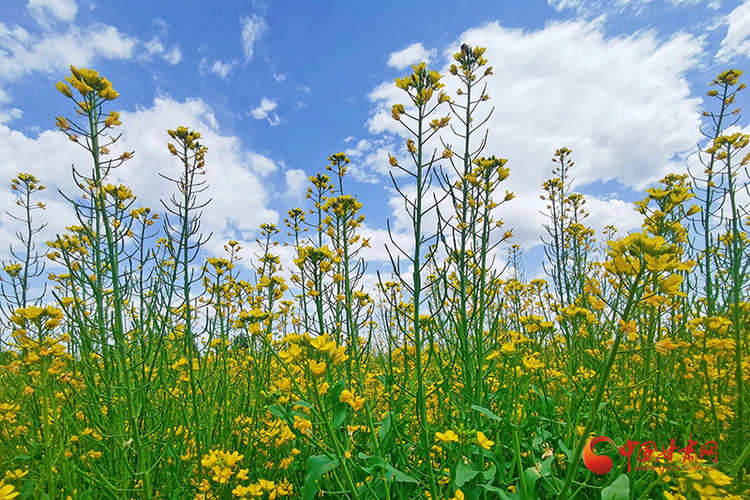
<point>531,475</point>
<point>568,452</point>
<point>489,474</point>
<point>500,492</point>
<point>375,464</point>
<point>547,405</point>
<point>464,473</point>
<point>275,410</point>
<point>339,415</point>
<point>302,403</point>
<point>28,488</point>
<point>546,468</point>
<point>485,411</point>
<point>317,465</point>
<point>385,426</point>
<point>398,475</point>
<point>618,490</point>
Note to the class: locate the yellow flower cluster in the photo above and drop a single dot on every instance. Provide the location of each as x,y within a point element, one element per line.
<point>469,60</point>
<point>47,317</point>
<point>423,83</point>
<point>221,465</point>
<point>88,83</point>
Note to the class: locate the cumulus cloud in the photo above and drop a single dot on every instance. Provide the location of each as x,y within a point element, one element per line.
<point>22,53</point>
<point>296,183</point>
<point>173,55</point>
<point>737,40</point>
<point>7,114</point>
<point>252,29</point>
<point>155,47</point>
<point>385,96</point>
<point>260,164</point>
<point>264,109</point>
<point>233,173</point>
<point>48,156</point>
<point>622,104</point>
<point>370,160</point>
<point>238,203</point>
<point>222,69</point>
<point>413,54</point>
<point>44,11</point>
<point>596,95</point>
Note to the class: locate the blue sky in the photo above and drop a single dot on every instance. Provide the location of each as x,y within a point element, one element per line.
<point>277,87</point>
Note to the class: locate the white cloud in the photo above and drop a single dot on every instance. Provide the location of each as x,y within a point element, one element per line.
<point>62,10</point>
<point>238,205</point>
<point>370,160</point>
<point>156,47</point>
<point>279,78</point>
<point>252,29</point>
<point>737,40</point>
<point>591,8</point>
<point>7,115</point>
<point>22,53</point>
<point>239,198</point>
<point>264,109</point>
<point>582,7</point>
<point>620,214</point>
<point>173,56</point>
<point>413,54</point>
<point>221,69</point>
<point>379,238</point>
<point>385,96</point>
<point>621,104</point>
<point>363,145</point>
<point>260,164</point>
<point>48,156</point>
<point>296,183</point>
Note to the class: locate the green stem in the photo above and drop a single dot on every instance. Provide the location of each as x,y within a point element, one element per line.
<point>603,378</point>
<point>119,327</point>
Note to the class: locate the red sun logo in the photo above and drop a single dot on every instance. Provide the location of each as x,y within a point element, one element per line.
<point>598,464</point>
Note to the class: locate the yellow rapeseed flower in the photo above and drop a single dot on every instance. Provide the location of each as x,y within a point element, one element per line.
<point>483,441</point>
<point>665,345</point>
<point>112,120</point>
<point>532,362</point>
<point>629,329</point>
<point>317,369</point>
<point>447,437</point>
<point>64,89</point>
<point>7,491</point>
